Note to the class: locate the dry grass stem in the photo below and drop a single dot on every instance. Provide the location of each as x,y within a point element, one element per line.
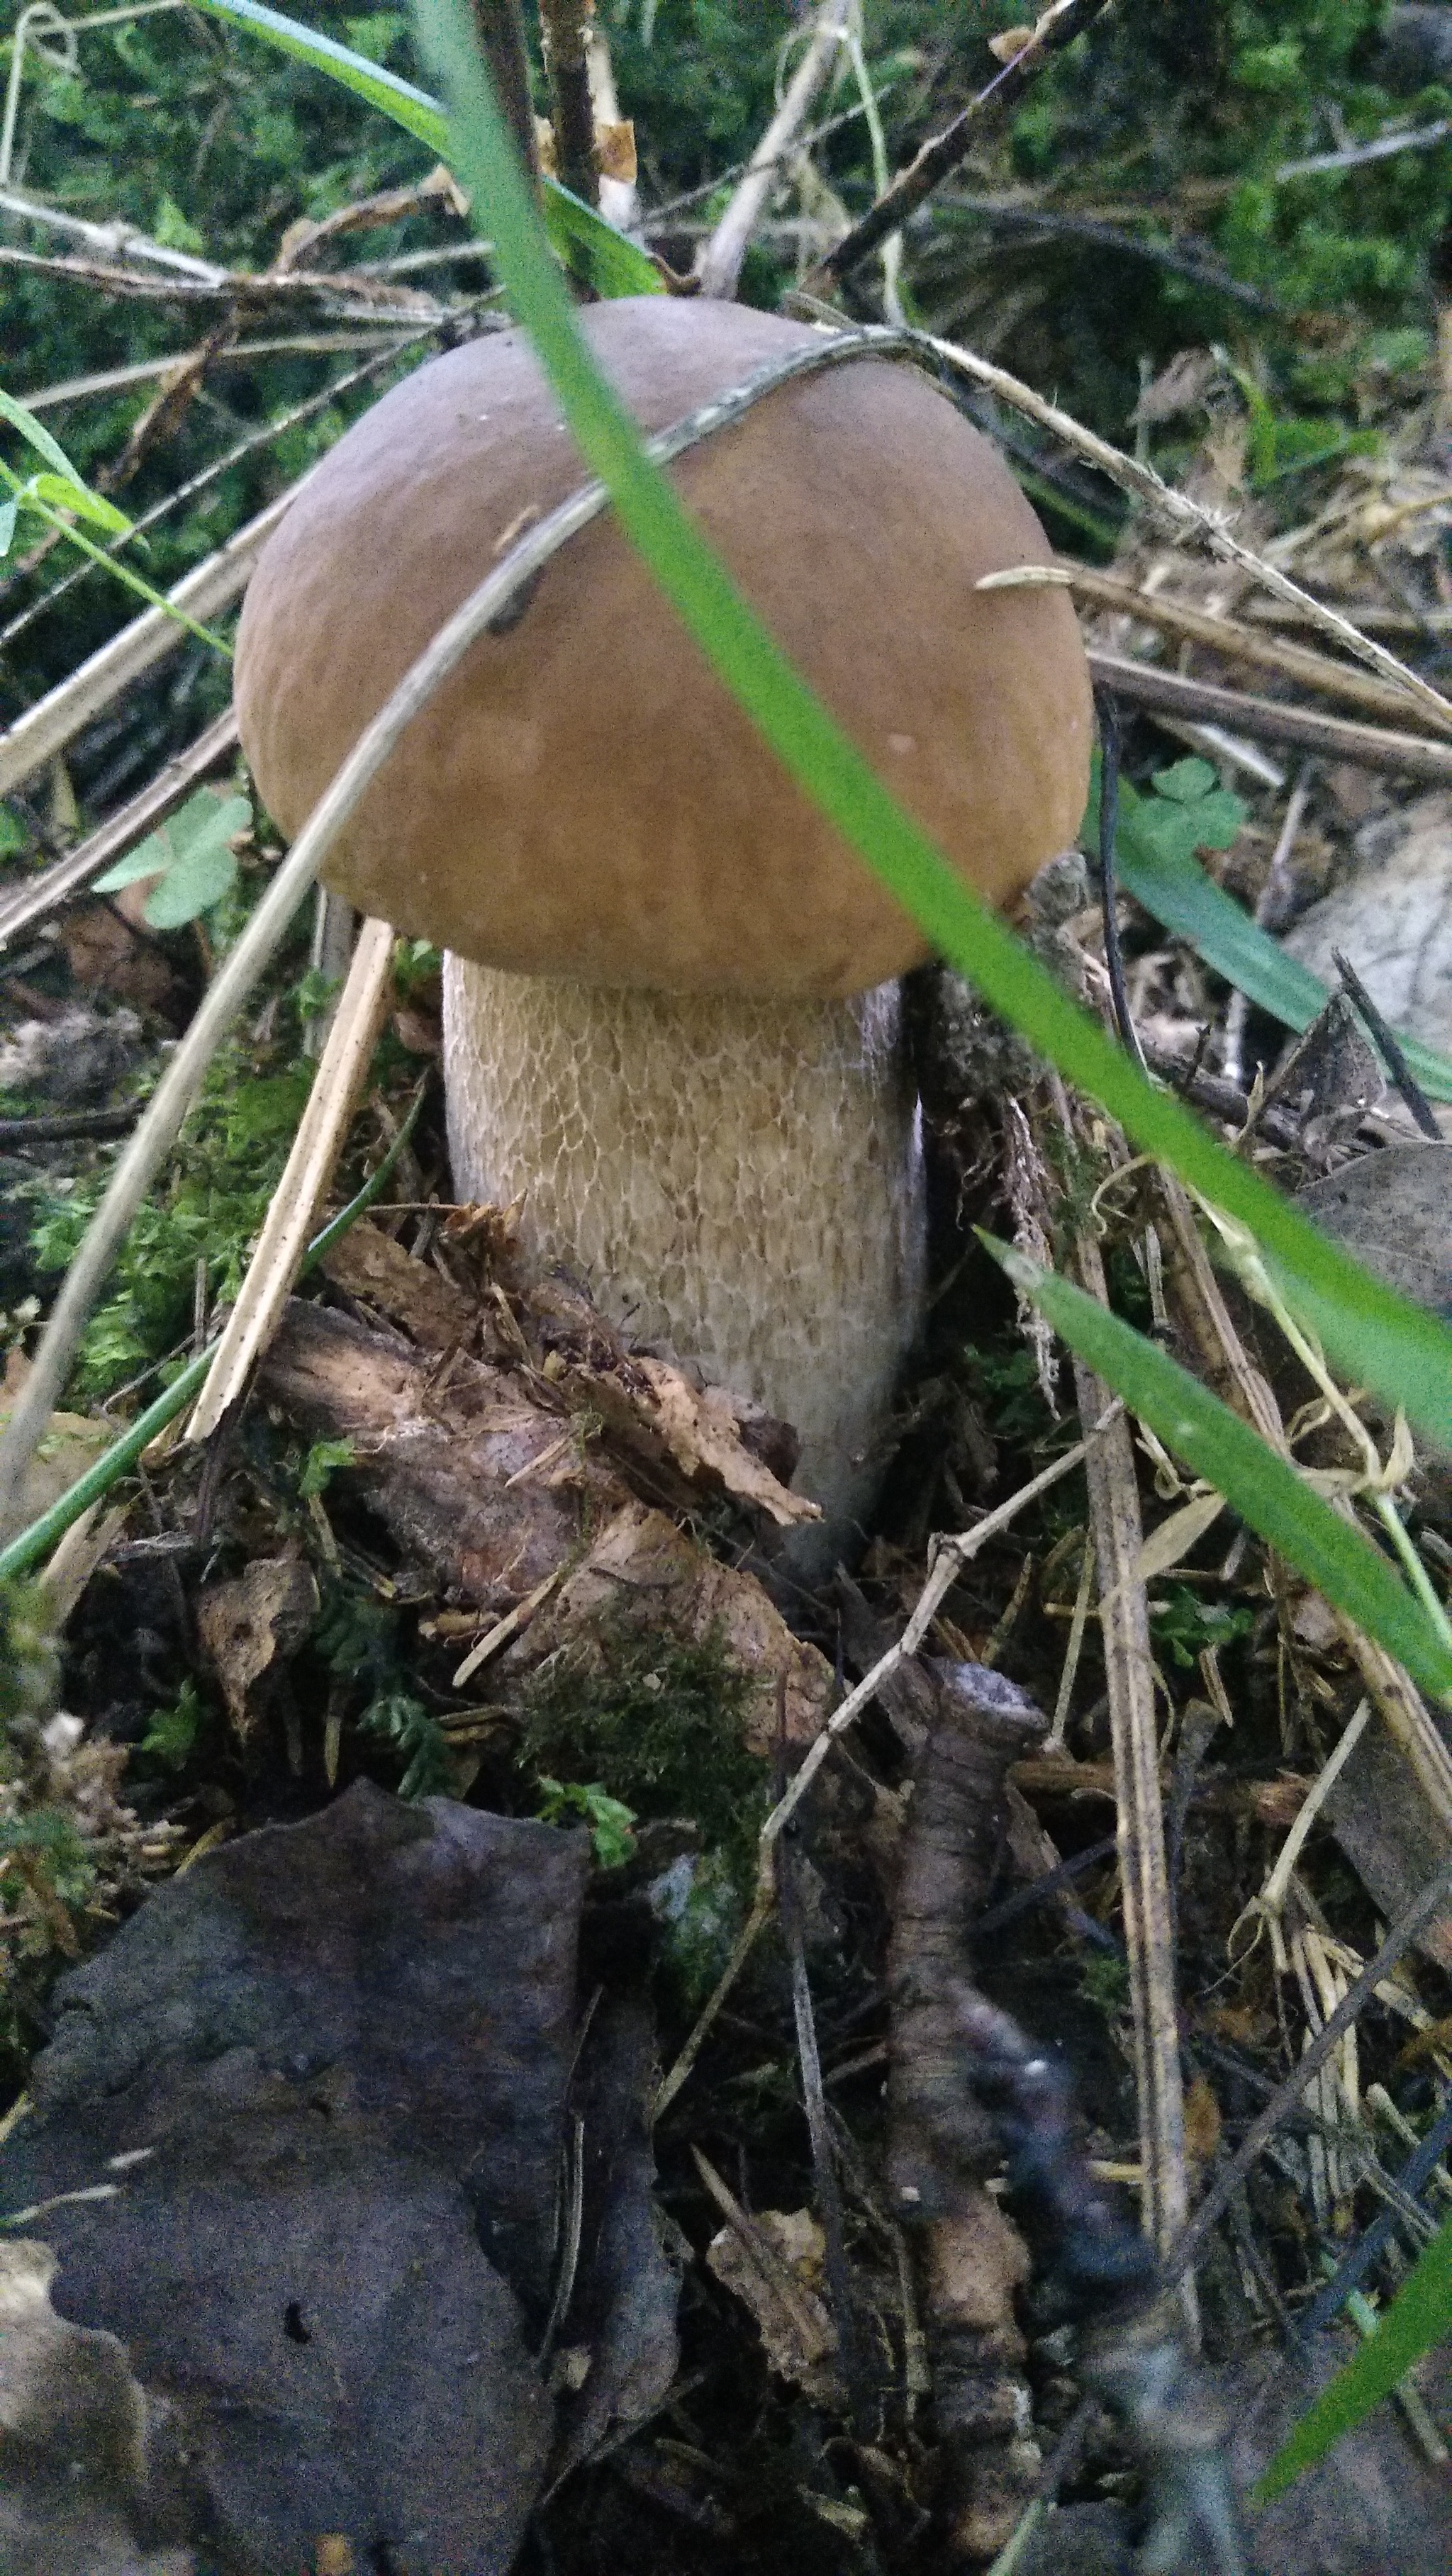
<point>292,1216</point>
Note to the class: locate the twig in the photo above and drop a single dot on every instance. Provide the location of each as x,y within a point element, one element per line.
<point>950,1555</point>
<point>209,474</point>
<point>1058,26</point>
<point>303,1186</point>
<point>170,788</point>
<point>824,2170</point>
<point>1396,1063</point>
<point>720,266</point>
<point>362,299</point>
<point>1109,906</point>
<point>501,34</point>
<point>1406,755</point>
<point>562,29</point>
<point>1266,2122</point>
<point>1373,2240</point>
<point>1235,642</point>
<point>75,1122</point>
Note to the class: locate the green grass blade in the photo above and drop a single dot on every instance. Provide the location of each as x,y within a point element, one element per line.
<point>1419,2318</point>
<point>1261,1486</point>
<point>1379,1337</point>
<point>592,249</point>
<point>1182,898</point>
<point>36,435</point>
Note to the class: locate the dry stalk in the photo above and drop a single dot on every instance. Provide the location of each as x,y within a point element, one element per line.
<point>1369,746</point>
<point>950,1555</point>
<point>1266,2122</point>
<point>45,729</point>
<point>563,25</point>
<point>1234,642</point>
<point>720,266</point>
<point>1118,1536</point>
<point>292,1216</point>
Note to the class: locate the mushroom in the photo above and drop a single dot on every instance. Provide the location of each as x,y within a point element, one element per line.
<point>671,1016</point>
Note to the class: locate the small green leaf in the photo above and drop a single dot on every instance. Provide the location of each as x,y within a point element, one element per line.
<point>1419,2318</point>
<point>13,835</point>
<point>1186,781</point>
<point>38,437</point>
<point>323,1457</point>
<point>63,492</point>
<point>1162,875</point>
<point>1262,1487</point>
<point>149,858</point>
<point>196,881</point>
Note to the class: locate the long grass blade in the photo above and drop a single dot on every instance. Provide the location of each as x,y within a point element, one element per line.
<point>1380,1337</point>
<point>1262,1487</point>
<point>1419,2318</point>
<point>593,250</point>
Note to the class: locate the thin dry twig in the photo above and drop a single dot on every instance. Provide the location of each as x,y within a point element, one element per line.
<point>1058,27</point>
<point>45,729</point>
<point>720,266</point>
<point>299,1194</point>
<point>1117,1530</point>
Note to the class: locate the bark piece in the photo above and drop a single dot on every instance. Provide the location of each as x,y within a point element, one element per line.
<point>368,1263</point>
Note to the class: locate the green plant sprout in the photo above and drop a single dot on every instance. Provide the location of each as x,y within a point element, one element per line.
<point>191,857</point>
<point>609,1819</point>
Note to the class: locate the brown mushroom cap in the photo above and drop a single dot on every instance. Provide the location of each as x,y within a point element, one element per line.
<point>583,797</point>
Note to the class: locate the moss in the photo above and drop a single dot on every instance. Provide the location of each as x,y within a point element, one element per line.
<point>661,1721</point>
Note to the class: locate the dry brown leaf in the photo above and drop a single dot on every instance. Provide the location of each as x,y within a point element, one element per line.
<point>247,1626</point>
<point>615,150</point>
<point>703,1434</point>
<point>1202,2122</point>
<point>799,2338</point>
<point>71,1443</point>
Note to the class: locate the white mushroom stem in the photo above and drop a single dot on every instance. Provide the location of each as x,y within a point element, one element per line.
<point>741,1180</point>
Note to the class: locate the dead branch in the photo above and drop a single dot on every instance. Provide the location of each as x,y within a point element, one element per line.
<point>1337,737</point>
<point>562,29</point>
<point>942,2145</point>
<point>170,788</point>
<point>1058,27</point>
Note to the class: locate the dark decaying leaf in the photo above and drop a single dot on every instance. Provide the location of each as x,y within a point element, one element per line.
<point>1393,1210</point>
<point>322,2079</point>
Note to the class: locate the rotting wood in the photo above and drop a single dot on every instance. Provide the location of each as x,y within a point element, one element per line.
<point>942,2145</point>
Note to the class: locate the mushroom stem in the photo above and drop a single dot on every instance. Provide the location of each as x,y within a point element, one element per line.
<point>740,1179</point>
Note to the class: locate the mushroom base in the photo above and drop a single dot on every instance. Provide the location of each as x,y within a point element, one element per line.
<point>740,1180</point>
